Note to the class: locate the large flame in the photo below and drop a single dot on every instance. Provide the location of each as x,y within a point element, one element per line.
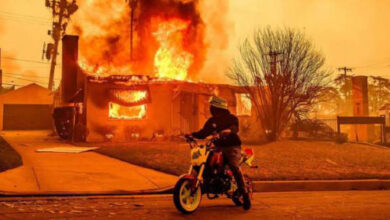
<point>168,38</point>
<point>171,60</point>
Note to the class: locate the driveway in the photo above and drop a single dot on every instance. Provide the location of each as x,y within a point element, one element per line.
<point>72,173</point>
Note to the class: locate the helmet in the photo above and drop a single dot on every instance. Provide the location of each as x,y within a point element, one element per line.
<point>218,102</point>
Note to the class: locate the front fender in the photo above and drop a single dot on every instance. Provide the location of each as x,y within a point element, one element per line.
<point>190,177</point>
<point>187,176</point>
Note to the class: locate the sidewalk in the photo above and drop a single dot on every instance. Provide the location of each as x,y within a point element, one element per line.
<point>67,173</point>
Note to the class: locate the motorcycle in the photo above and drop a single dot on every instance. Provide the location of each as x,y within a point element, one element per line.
<point>209,175</point>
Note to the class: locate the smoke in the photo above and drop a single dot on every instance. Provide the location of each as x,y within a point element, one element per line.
<point>104,30</point>
<point>218,32</point>
<point>193,40</point>
<point>103,27</point>
<point>9,64</point>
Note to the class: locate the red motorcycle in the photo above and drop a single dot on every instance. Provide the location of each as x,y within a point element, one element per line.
<point>209,175</point>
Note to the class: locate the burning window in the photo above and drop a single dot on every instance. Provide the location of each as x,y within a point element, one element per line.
<point>117,111</point>
<point>128,104</point>
<point>244,104</point>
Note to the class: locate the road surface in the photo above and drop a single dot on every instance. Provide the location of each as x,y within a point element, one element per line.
<point>291,205</point>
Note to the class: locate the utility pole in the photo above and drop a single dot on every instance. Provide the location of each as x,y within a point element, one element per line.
<point>133,5</point>
<point>61,12</point>
<point>345,76</point>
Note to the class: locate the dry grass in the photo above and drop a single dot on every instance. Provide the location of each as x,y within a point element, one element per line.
<point>283,160</point>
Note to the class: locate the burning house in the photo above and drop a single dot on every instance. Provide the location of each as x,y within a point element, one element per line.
<point>107,95</point>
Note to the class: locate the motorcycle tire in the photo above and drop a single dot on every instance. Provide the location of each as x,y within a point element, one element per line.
<point>186,201</point>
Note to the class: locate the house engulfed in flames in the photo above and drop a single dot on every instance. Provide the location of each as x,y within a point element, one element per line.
<point>120,108</point>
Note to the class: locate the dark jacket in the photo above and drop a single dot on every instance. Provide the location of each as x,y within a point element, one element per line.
<point>217,124</point>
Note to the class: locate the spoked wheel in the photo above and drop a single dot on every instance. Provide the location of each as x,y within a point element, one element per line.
<point>237,198</point>
<point>186,198</point>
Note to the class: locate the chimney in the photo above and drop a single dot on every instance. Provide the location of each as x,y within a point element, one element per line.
<point>70,67</point>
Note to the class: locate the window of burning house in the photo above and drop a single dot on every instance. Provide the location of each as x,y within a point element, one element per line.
<point>128,104</point>
<point>244,104</point>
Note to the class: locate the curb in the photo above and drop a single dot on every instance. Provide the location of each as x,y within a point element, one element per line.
<point>320,185</point>
<point>165,190</point>
<point>258,186</point>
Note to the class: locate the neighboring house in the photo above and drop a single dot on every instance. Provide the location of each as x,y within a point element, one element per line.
<point>26,108</point>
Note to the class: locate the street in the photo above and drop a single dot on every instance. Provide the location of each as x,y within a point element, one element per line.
<point>292,205</point>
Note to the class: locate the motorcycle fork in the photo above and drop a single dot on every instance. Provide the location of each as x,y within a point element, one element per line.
<point>201,170</point>
<point>199,178</point>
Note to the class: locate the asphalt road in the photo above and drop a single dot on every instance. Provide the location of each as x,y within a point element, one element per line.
<point>291,205</point>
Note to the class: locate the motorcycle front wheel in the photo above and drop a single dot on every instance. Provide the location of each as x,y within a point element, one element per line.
<point>186,199</point>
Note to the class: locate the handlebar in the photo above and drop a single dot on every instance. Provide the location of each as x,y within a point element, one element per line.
<point>189,138</point>
<point>192,141</point>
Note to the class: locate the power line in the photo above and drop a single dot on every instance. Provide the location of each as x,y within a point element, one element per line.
<point>24,15</point>
<point>27,60</point>
<point>23,21</point>
<point>29,80</point>
<point>31,76</point>
<point>383,64</point>
<point>11,84</point>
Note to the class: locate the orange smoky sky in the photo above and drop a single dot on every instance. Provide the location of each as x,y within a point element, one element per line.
<point>352,33</point>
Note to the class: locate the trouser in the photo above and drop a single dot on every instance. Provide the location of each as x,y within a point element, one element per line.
<point>232,157</point>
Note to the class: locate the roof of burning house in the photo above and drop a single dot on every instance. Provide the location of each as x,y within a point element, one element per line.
<point>132,80</point>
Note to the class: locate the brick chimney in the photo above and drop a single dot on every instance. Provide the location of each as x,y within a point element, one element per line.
<point>70,67</point>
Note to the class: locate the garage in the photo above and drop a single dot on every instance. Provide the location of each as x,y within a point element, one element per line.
<point>26,117</point>
<point>26,108</point>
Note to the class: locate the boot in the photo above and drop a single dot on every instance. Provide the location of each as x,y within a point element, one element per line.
<point>247,201</point>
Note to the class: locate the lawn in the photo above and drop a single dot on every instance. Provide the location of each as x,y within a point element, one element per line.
<point>282,160</point>
<point>9,158</point>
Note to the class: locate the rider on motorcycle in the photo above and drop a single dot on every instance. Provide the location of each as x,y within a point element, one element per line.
<point>225,124</point>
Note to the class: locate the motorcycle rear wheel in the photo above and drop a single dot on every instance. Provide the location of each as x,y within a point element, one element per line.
<point>186,199</point>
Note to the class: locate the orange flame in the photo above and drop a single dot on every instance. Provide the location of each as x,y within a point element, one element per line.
<point>171,60</point>
<point>116,111</point>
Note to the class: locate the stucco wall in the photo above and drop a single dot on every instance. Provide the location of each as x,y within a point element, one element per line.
<point>174,109</point>
<point>157,119</point>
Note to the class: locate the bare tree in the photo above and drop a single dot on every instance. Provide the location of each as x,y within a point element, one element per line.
<point>378,93</point>
<point>283,75</point>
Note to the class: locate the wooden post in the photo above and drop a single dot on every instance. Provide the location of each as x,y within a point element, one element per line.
<point>338,126</point>
<point>383,129</point>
